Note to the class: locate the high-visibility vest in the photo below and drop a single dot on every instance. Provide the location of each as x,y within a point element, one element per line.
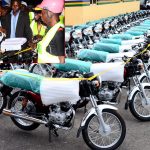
<point>34,28</point>
<point>61,17</point>
<point>43,56</point>
<point>31,16</point>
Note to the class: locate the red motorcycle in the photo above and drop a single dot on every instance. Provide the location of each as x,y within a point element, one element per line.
<point>27,111</point>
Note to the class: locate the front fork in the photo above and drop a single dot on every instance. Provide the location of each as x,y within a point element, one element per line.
<point>142,91</point>
<point>147,72</point>
<point>105,128</point>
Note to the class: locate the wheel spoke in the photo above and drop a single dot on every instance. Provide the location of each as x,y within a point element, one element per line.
<point>1,100</point>
<point>17,108</point>
<point>100,138</point>
<point>138,106</point>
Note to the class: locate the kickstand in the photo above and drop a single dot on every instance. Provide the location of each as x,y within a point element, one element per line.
<point>50,136</point>
<point>53,131</point>
<point>85,109</point>
<point>127,101</point>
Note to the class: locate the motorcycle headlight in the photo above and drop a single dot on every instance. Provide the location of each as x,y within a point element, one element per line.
<point>106,26</point>
<point>146,56</point>
<point>96,83</point>
<point>116,20</point>
<point>85,31</point>
<point>140,66</point>
<point>113,24</point>
<point>126,17</point>
<point>88,31</point>
<point>96,29</point>
<point>67,37</point>
<point>99,27</point>
<point>77,34</point>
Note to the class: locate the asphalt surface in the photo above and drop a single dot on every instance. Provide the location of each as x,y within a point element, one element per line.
<point>13,138</point>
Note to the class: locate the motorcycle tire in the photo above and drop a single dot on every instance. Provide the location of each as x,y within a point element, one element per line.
<point>3,102</point>
<point>41,69</point>
<point>116,143</point>
<point>20,123</point>
<point>134,109</point>
<point>148,67</point>
<point>144,79</point>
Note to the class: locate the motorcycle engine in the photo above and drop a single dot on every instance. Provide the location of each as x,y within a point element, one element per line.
<point>109,91</point>
<point>61,114</point>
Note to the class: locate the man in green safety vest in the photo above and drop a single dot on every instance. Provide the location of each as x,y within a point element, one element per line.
<point>51,48</point>
<point>38,29</point>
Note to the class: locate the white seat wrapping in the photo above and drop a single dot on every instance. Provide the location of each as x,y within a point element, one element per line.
<point>58,90</point>
<point>109,71</point>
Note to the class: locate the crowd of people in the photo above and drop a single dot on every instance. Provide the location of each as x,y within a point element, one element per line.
<point>42,26</point>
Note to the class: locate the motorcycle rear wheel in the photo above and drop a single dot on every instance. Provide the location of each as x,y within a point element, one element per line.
<point>14,104</point>
<point>3,102</point>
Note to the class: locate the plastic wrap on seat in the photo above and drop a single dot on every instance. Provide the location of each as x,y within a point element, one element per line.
<point>134,33</point>
<point>59,90</point>
<point>111,48</point>
<point>73,64</point>
<point>147,22</point>
<point>92,55</point>
<point>109,71</point>
<point>111,41</point>
<point>122,36</point>
<point>143,26</point>
<point>23,80</point>
<point>118,56</point>
<point>139,29</point>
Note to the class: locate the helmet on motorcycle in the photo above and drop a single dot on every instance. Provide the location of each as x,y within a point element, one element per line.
<point>55,6</point>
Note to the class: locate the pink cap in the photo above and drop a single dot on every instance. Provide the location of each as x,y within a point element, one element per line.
<point>55,6</point>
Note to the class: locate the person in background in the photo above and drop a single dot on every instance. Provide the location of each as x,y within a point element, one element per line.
<point>31,13</point>
<point>24,6</point>
<point>38,29</point>
<point>6,10</point>
<point>17,22</point>
<point>3,12</point>
<point>51,48</point>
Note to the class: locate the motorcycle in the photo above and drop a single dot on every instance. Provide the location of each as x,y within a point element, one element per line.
<point>137,99</point>
<point>145,76</point>
<point>100,123</point>
<point>6,92</point>
<point>68,49</point>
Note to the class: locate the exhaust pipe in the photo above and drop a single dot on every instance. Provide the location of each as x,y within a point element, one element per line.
<point>24,117</point>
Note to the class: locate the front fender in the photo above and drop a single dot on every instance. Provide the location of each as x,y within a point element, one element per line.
<point>90,113</point>
<point>135,88</point>
<point>141,76</point>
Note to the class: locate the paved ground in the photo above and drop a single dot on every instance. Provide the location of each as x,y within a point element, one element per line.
<point>12,138</point>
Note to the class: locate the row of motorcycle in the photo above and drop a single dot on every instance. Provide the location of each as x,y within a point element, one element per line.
<point>102,127</point>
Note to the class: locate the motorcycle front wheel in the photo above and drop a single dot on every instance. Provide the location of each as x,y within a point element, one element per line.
<point>94,136</point>
<point>42,69</point>
<point>137,108</point>
<point>15,104</point>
